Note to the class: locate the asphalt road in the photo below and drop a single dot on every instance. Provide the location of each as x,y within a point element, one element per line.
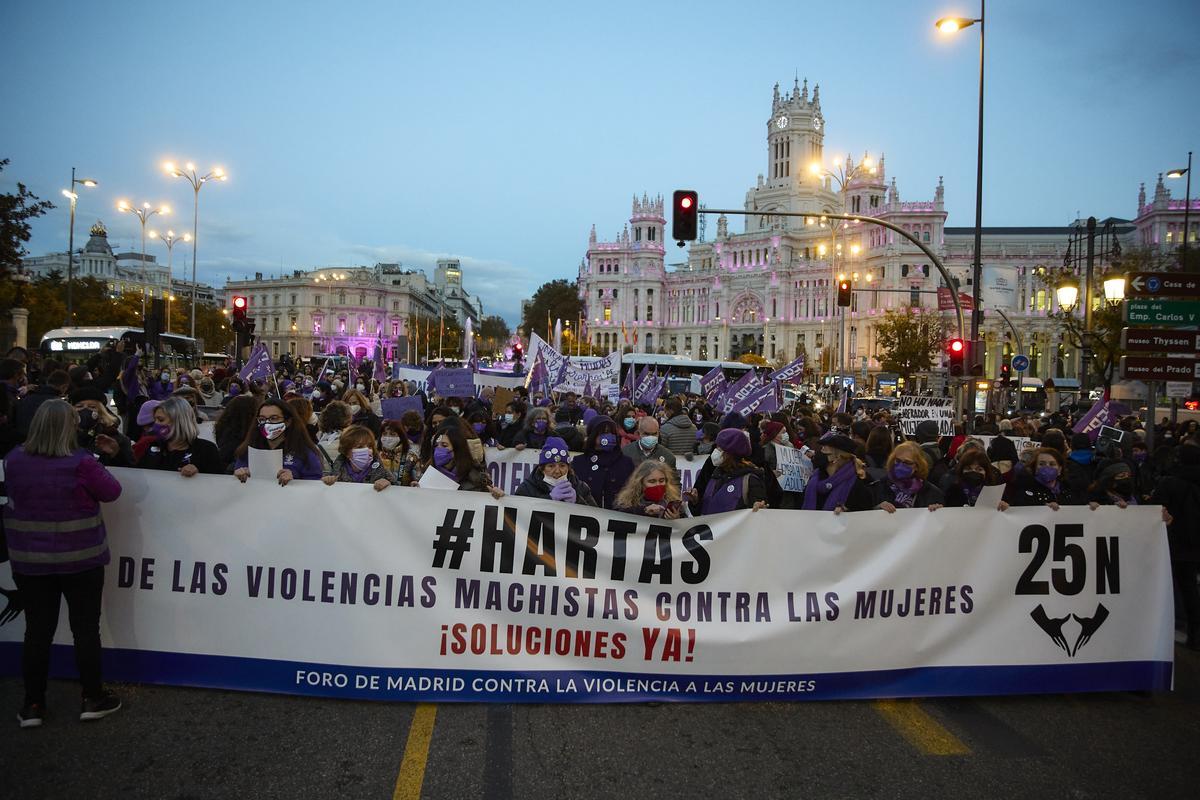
<point>193,743</point>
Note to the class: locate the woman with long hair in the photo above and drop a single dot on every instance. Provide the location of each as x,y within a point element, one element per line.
<point>907,484</point>
<point>1043,483</point>
<point>232,426</point>
<point>652,491</point>
<point>361,412</point>
<point>838,482</point>
<point>452,457</point>
<point>58,548</point>
<point>973,472</point>
<point>278,428</point>
<point>100,429</point>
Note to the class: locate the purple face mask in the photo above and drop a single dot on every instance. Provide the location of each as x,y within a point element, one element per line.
<point>442,456</point>
<point>540,425</point>
<point>161,432</point>
<point>477,427</point>
<point>902,472</point>
<point>1046,475</point>
<point>234,389</point>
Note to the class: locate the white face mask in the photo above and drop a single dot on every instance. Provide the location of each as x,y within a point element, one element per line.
<point>553,481</point>
<point>359,386</point>
<point>354,409</point>
<point>390,442</point>
<point>716,457</point>
<point>784,438</point>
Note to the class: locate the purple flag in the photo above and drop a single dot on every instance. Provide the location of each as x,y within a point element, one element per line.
<point>259,365</point>
<point>1096,417</point>
<point>764,400</point>
<point>380,374</point>
<point>841,409</point>
<point>792,373</point>
<point>739,390</point>
<point>712,382</point>
<point>643,383</point>
<point>653,390</point>
<point>587,386</point>
<point>627,388</point>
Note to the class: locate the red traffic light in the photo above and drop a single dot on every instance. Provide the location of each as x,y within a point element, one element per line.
<point>239,302</point>
<point>685,220</point>
<point>956,346</point>
<point>686,202</point>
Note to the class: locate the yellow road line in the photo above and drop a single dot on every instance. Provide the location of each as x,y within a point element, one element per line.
<point>920,729</point>
<point>416,753</point>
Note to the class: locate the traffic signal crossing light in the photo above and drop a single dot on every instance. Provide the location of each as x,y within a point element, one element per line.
<point>845,289</point>
<point>685,213</point>
<point>1005,374</point>
<point>239,311</point>
<point>957,350</point>
<point>975,353</point>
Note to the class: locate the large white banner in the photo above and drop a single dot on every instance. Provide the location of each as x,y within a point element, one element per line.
<point>580,372</point>
<point>421,378</point>
<point>411,594</point>
<point>510,466</point>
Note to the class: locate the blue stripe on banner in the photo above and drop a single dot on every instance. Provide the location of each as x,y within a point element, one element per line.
<point>579,686</point>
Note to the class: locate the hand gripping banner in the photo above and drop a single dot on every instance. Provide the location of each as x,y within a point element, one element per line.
<point>454,596</point>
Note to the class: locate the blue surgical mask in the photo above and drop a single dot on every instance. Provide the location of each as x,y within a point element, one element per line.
<point>629,423</point>
<point>649,442</point>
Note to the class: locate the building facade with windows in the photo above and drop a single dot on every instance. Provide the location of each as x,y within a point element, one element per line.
<point>123,272</point>
<point>771,288</point>
<point>348,310</point>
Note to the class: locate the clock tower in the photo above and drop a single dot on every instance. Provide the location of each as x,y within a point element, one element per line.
<point>795,137</point>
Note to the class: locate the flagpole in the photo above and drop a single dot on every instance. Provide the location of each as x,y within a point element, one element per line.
<point>441,332</point>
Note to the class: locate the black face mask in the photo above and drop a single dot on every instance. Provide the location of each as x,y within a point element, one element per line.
<point>1124,487</point>
<point>973,479</point>
<point>820,460</point>
<point>87,419</point>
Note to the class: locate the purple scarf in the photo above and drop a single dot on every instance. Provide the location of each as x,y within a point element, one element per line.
<point>838,487</point>
<point>906,491</point>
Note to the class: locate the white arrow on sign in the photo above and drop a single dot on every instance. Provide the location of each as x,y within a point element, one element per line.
<point>1136,283</point>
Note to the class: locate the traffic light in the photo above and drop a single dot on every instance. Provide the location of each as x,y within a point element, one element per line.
<point>844,292</point>
<point>1005,374</point>
<point>685,209</point>
<point>239,311</point>
<point>957,350</point>
<point>975,353</point>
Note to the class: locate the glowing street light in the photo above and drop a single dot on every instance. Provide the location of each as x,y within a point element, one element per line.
<point>1067,294</point>
<point>196,180</point>
<point>145,212</point>
<point>70,193</point>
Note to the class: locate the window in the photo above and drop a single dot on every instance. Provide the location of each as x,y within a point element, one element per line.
<point>276,327</point>
<point>292,348</point>
<point>275,347</point>
<point>649,312</point>
<point>925,236</point>
<point>608,315</point>
<point>914,296</point>
<point>651,232</point>
<point>342,325</point>
<point>395,305</point>
<point>293,303</point>
<point>342,298</point>
<point>317,300</point>
<point>316,326</point>
<point>395,327</point>
<point>362,298</point>
<point>637,234</point>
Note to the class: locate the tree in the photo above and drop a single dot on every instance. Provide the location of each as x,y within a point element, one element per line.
<point>16,210</point>
<point>556,300</point>
<point>493,334</point>
<point>754,359</point>
<point>909,340</point>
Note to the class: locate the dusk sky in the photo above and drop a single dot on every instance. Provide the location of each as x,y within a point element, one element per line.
<point>500,132</point>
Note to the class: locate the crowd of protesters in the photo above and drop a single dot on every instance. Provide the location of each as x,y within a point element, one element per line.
<point>59,432</point>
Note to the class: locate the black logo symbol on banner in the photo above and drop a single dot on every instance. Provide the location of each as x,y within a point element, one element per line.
<point>1053,627</point>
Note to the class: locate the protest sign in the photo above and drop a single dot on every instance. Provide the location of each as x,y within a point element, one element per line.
<point>264,464</point>
<point>914,410</point>
<point>567,374</point>
<point>434,479</point>
<point>471,599</point>
<point>453,382</point>
<point>795,466</point>
<point>395,407</point>
<point>1022,443</point>
<point>421,378</point>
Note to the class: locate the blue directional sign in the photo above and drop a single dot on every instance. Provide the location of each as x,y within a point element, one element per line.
<point>1020,363</point>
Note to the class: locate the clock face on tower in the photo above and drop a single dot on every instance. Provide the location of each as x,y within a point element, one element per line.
<point>781,123</point>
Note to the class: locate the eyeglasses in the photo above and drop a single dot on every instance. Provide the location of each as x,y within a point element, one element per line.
<point>265,420</point>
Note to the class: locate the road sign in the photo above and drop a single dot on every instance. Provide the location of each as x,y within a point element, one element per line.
<point>1160,340</point>
<point>1163,284</point>
<point>1172,313</point>
<point>1179,390</point>
<point>1142,368</point>
<point>1020,363</point>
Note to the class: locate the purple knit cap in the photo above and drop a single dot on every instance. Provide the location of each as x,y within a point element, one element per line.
<point>554,451</point>
<point>733,441</point>
<point>146,412</point>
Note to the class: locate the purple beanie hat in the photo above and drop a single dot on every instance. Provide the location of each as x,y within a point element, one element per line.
<point>554,451</point>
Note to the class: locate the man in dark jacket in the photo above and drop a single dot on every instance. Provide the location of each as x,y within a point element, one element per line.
<point>927,436</point>
<point>678,432</point>
<point>54,388</point>
<point>564,428</point>
<point>1080,470</point>
<point>1179,493</point>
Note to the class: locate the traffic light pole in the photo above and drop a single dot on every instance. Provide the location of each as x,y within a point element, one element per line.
<point>937,262</point>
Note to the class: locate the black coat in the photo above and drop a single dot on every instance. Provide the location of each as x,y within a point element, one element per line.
<point>1179,493</point>
<point>202,454</point>
<point>605,473</point>
<point>927,496</point>
<point>534,486</point>
<point>1024,490</point>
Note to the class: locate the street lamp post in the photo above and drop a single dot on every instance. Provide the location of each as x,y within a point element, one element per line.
<point>71,242</point>
<point>196,180</point>
<point>1187,205</point>
<point>170,240</point>
<point>143,214</point>
<point>950,25</point>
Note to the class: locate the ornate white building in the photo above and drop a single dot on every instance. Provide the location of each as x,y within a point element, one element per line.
<point>348,309</point>
<point>771,290</point>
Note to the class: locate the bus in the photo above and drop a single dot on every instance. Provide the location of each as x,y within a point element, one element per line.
<point>81,343</point>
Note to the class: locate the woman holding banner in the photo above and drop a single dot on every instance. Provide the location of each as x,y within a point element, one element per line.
<point>1045,485</point>
<point>278,429</point>
<point>907,484</point>
<point>58,547</point>
<point>602,465</point>
<point>178,446</point>
<point>452,457</point>
<point>839,482</point>
<point>535,431</point>
<point>396,453</point>
<point>973,472</point>
<point>552,478</point>
<point>652,491</point>
<point>361,412</point>
<point>735,483</point>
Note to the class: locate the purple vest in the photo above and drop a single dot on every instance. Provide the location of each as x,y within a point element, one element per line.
<point>722,495</point>
<point>52,520</point>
